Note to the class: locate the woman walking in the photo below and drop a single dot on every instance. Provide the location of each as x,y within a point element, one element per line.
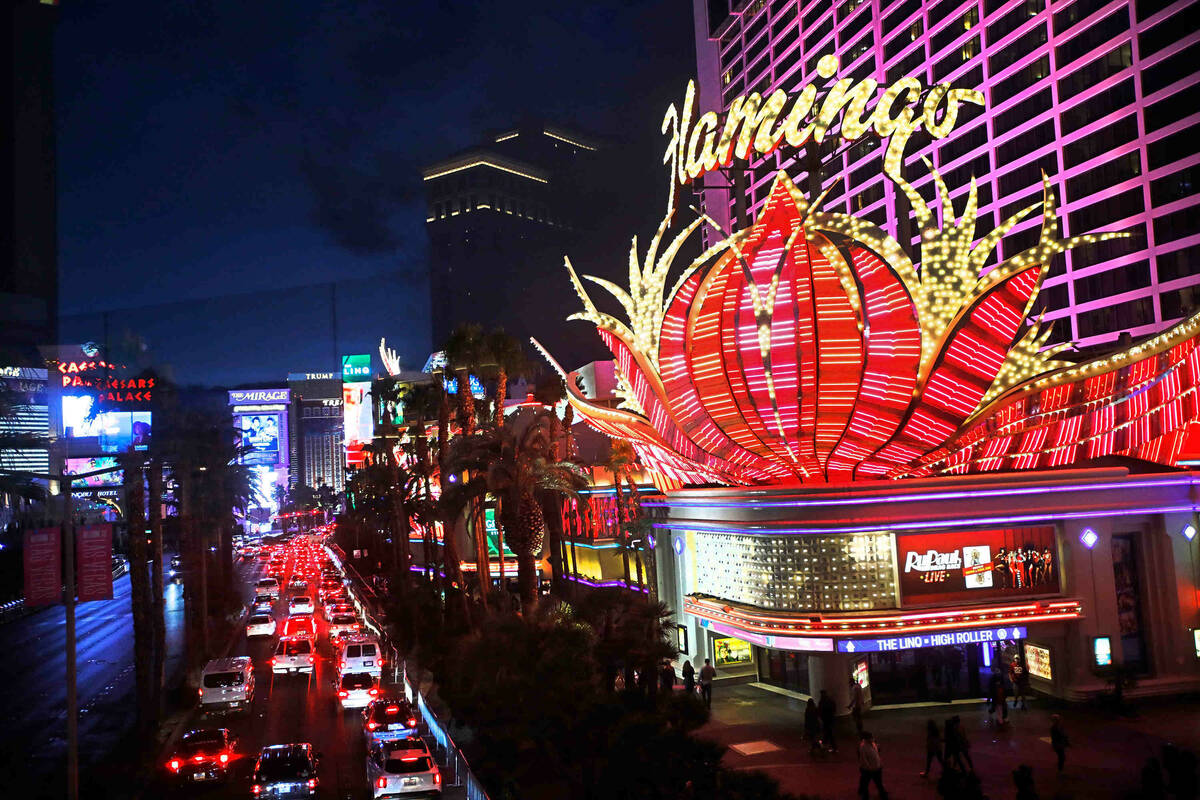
<point>812,727</point>
<point>1058,740</point>
<point>933,747</point>
<point>689,678</point>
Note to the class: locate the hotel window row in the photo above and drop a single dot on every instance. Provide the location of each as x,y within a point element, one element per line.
<point>1101,96</point>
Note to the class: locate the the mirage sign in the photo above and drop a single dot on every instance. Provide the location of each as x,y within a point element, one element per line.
<point>977,565</point>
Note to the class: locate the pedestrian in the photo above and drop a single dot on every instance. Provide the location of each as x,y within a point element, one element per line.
<point>689,678</point>
<point>812,727</point>
<point>1058,740</point>
<point>668,677</point>
<point>856,705</point>
<point>999,705</point>
<point>707,673</point>
<point>958,747</point>
<point>827,710</point>
<point>870,767</point>
<point>933,747</point>
<point>1020,681</point>
<point>1023,779</point>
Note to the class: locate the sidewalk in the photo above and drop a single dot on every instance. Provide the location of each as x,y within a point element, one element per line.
<point>764,731</point>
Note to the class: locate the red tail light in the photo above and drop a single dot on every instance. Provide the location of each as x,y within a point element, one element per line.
<point>373,692</point>
<point>311,659</point>
<point>381,783</point>
<point>174,764</point>
<point>201,692</point>
<point>437,779</point>
<point>312,783</point>
<point>412,722</point>
<point>197,759</point>
<point>343,693</point>
<point>372,725</point>
<point>223,758</point>
<point>256,789</point>
<point>272,661</point>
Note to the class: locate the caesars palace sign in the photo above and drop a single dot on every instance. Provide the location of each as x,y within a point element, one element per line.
<point>755,124</point>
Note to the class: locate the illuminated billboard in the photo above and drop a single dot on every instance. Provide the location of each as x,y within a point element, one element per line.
<point>977,565</point>
<point>81,466</point>
<point>115,431</point>
<point>357,408</point>
<point>260,437</point>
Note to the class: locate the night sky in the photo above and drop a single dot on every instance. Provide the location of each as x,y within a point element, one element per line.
<point>241,151</point>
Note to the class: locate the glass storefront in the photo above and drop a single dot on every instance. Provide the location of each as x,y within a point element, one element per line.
<point>783,668</point>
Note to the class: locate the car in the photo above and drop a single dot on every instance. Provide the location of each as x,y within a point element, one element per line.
<point>203,755</point>
<point>293,654</point>
<point>260,625</point>
<point>360,653</point>
<point>334,607</point>
<point>301,626</point>
<point>356,689</point>
<point>403,768</point>
<point>298,583</point>
<point>227,684</point>
<point>285,770</point>
<point>343,623</point>
<point>267,587</point>
<point>388,718</point>
<point>175,570</point>
<point>300,604</point>
<point>263,605</point>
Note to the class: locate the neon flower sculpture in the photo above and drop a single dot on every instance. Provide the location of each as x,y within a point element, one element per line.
<point>810,348</point>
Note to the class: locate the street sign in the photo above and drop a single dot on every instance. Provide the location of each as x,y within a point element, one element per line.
<point>935,639</point>
<point>43,567</point>
<point>93,558</point>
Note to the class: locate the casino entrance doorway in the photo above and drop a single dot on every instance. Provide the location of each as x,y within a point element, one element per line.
<point>938,674</point>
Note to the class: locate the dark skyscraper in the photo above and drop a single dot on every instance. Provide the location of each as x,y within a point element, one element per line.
<point>500,218</point>
<point>29,263</point>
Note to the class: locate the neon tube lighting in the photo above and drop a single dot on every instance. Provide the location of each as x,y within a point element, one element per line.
<point>483,162</point>
<point>707,527</point>
<point>564,139</point>
<point>920,497</point>
<point>603,584</point>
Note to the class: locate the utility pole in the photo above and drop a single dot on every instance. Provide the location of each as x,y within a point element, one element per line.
<point>69,603</point>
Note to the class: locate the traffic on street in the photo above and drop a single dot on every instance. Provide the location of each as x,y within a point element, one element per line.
<point>301,707</point>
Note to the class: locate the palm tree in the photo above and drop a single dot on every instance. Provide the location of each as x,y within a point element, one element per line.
<point>522,469</point>
<point>507,360</point>
<point>466,353</point>
<point>620,462</point>
<point>204,451</point>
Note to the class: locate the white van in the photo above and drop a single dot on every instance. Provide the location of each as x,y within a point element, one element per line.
<point>360,654</point>
<point>227,684</point>
<point>267,587</point>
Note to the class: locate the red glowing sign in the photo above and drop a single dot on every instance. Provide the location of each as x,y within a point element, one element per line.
<point>109,389</point>
<point>43,567</point>
<point>810,348</point>
<point>93,562</point>
<point>968,566</point>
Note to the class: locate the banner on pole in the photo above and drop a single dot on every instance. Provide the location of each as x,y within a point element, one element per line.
<point>93,562</point>
<point>43,567</point>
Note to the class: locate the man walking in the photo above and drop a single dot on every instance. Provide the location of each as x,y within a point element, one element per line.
<point>707,673</point>
<point>1058,740</point>
<point>870,767</point>
<point>827,710</point>
<point>856,705</point>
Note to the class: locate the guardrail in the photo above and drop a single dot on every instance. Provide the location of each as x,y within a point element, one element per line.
<point>453,757</point>
<point>455,763</point>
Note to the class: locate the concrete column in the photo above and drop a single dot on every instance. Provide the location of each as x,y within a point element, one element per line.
<point>831,672</point>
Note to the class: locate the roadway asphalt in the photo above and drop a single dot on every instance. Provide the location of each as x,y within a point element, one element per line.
<point>33,694</point>
<point>290,708</point>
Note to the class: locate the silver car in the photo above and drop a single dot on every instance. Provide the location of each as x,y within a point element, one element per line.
<point>293,654</point>
<point>403,767</point>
